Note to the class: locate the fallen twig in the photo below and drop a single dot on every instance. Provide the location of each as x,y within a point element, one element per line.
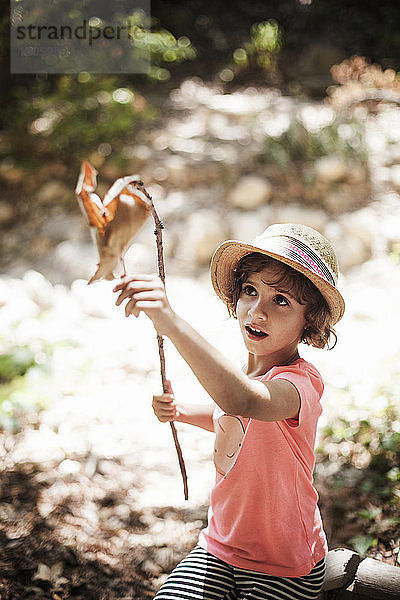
<point>165,382</point>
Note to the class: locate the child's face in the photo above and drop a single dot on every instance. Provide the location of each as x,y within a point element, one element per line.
<point>271,320</point>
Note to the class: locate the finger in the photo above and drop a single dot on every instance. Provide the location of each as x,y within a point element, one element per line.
<point>166,412</point>
<point>148,295</point>
<point>131,308</point>
<point>122,283</point>
<point>165,415</point>
<point>164,398</point>
<point>136,288</point>
<point>149,305</point>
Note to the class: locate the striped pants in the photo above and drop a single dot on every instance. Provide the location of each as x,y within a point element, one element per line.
<point>201,576</point>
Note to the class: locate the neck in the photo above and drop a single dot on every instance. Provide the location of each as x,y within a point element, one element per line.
<point>259,365</point>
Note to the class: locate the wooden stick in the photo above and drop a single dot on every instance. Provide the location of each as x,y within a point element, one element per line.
<point>165,383</point>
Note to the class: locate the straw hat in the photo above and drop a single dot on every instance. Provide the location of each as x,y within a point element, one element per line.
<point>298,246</point>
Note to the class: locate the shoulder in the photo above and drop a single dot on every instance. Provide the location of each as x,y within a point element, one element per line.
<point>302,374</point>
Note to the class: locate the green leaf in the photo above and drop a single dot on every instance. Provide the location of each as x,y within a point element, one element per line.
<point>363,543</point>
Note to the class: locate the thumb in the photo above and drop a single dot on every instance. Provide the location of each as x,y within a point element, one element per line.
<point>168,389</point>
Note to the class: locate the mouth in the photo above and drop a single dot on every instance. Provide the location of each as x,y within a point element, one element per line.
<point>254,333</point>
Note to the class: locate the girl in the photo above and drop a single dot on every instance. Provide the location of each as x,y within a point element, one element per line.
<point>264,538</point>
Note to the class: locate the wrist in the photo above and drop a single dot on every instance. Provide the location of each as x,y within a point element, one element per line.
<point>170,326</point>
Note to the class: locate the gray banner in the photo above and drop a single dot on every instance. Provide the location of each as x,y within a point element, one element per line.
<point>97,36</point>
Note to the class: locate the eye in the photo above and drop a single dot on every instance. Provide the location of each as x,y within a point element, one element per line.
<point>281,300</point>
<point>249,290</point>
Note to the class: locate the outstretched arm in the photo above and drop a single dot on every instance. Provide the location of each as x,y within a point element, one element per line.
<point>227,385</point>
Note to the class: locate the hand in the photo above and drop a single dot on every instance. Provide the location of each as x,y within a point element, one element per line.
<point>165,408</point>
<point>146,293</point>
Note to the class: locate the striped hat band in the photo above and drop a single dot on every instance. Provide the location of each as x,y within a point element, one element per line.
<point>301,253</point>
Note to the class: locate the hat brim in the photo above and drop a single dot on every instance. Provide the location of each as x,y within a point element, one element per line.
<point>227,255</point>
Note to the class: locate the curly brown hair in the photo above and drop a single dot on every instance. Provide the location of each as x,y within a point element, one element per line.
<point>318,330</point>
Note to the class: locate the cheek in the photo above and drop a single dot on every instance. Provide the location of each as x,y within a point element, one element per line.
<point>239,308</point>
<point>242,309</point>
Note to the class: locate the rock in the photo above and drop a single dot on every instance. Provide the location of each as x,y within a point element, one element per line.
<point>111,171</point>
<point>238,104</point>
<point>331,169</point>
<point>12,175</point>
<point>362,224</point>
<point>16,305</point>
<point>350,249</point>
<point>357,174</point>
<point>39,289</point>
<point>58,228</point>
<point>73,260</point>
<point>7,212</point>
<point>204,232</point>
<point>394,177</point>
<point>141,258</point>
<point>250,192</point>
<point>177,169</point>
<point>54,191</point>
<point>245,226</point>
<point>297,213</point>
<point>339,201</point>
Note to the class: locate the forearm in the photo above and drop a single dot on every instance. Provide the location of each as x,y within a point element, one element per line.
<point>200,415</point>
<point>227,385</point>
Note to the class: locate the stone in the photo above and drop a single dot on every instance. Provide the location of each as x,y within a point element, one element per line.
<point>394,177</point>
<point>297,213</point>
<point>362,224</point>
<point>40,290</point>
<point>73,260</point>
<point>54,191</point>
<point>7,212</point>
<point>177,169</point>
<point>331,169</point>
<point>204,232</point>
<point>245,226</point>
<point>357,174</point>
<point>250,192</point>
<point>338,201</point>
<point>350,249</point>
<point>141,258</point>
<point>58,228</point>
<point>12,175</point>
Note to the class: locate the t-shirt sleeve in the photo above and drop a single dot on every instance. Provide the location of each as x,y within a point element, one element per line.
<point>309,385</point>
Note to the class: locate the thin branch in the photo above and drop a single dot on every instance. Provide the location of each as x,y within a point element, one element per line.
<point>165,383</point>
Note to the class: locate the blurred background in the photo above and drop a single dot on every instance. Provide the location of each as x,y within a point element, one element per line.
<point>250,114</point>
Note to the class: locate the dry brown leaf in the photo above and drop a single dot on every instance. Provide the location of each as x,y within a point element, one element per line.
<point>116,220</point>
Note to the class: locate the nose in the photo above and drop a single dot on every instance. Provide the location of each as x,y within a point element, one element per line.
<point>258,312</point>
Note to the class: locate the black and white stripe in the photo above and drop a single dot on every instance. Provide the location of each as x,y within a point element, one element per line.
<point>201,576</point>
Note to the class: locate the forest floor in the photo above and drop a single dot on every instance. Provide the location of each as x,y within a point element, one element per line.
<point>91,503</point>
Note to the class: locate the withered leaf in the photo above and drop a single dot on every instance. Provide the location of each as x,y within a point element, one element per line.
<point>116,220</point>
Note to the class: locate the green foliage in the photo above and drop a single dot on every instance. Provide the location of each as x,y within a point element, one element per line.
<point>75,117</point>
<point>35,373</point>
<point>24,383</point>
<point>265,43</point>
<point>15,363</point>
<point>363,543</point>
<point>298,144</point>
<point>363,453</point>
<point>261,51</point>
<point>67,117</point>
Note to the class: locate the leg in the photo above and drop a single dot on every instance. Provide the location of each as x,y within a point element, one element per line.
<point>200,576</point>
<point>260,586</point>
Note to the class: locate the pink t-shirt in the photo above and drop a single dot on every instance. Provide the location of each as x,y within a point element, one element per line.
<point>263,512</point>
